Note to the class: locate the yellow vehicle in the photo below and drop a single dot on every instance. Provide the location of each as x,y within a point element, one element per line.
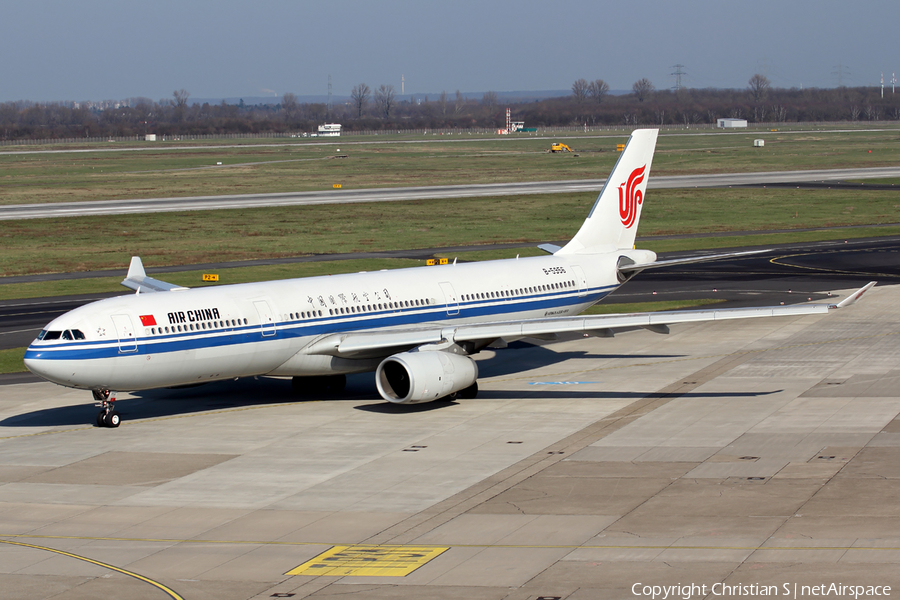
<point>558,147</point>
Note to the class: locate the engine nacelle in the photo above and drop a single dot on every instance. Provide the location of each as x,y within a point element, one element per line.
<point>415,377</point>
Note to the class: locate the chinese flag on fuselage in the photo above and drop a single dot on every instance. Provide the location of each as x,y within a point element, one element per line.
<point>147,320</point>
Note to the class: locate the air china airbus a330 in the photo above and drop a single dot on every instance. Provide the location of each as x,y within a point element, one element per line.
<point>416,328</point>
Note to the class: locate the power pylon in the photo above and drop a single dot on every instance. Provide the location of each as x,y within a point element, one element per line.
<point>678,74</point>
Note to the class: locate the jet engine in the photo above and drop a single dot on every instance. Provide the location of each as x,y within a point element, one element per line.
<point>416,377</point>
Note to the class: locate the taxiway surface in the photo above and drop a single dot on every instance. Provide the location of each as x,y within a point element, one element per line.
<point>758,452</point>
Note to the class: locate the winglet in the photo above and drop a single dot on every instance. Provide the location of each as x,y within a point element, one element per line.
<point>852,298</point>
<point>136,268</point>
<point>137,279</point>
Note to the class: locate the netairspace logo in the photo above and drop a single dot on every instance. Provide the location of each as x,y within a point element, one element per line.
<point>791,590</point>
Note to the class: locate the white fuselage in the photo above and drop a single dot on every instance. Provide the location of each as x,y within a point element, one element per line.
<point>153,340</point>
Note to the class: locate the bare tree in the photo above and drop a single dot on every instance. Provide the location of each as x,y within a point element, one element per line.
<point>289,105</point>
<point>779,113</point>
<point>459,103</point>
<point>689,118</point>
<point>598,89</point>
<point>854,112</point>
<point>181,97</point>
<point>360,95</point>
<point>759,114</point>
<point>642,89</point>
<point>490,101</point>
<point>580,89</point>
<point>180,102</point>
<point>384,98</point>
<point>759,87</point>
<point>443,102</point>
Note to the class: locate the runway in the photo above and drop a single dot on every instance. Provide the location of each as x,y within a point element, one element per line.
<point>759,452</point>
<point>154,205</point>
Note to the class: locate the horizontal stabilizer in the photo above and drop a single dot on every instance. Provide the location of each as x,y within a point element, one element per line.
<point>631,269</point>
<point>137,280</point>
<point>550,248</point>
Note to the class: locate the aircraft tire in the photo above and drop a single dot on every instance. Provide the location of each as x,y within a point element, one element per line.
<point>101,416</point>
<point>112,419</point>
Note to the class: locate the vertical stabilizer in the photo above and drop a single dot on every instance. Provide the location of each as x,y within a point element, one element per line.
<point>613,221</point>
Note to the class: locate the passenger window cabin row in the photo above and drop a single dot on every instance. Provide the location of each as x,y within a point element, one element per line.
<point>526,291</point>
<point>202,326</point>
<point>356,310</point>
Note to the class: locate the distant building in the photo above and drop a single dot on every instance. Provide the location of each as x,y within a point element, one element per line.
<point>731,123</point>
<point>330,130</point>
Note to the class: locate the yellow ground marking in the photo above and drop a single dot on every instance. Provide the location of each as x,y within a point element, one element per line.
<point>777,261</point>
<point>171,593</point>
<point>372,561</point>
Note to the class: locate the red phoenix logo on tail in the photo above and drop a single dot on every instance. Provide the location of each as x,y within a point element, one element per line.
<point>630,197</point>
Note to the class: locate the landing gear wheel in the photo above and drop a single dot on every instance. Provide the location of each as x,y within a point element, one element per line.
<point>107,417</point>
<point>112,419</point>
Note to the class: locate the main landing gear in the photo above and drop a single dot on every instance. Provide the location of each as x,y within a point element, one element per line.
<point>107,417</point>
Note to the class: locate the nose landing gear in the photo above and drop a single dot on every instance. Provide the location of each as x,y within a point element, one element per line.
<point>107,417</point>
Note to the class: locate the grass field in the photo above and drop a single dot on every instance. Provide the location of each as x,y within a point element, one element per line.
<point>95,243</point>
<point>11,361</point>
<point>414,160</point>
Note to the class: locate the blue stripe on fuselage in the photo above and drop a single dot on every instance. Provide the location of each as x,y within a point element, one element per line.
<point>165,343</point>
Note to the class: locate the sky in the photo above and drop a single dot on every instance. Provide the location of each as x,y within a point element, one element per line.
<point>55,50</point>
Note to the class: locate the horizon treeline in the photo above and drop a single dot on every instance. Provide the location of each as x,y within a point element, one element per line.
<point>590,103</point>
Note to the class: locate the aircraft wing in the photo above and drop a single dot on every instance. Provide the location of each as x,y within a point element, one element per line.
<point>371,343</point>
<point>137,280</point>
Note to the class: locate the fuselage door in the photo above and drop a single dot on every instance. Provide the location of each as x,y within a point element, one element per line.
<point>125,332</point>
<point>580,280</point>
<point>266,317</point>
<point>450,299</point>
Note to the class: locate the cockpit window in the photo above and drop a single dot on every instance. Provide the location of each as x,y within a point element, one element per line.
<point>69,334</point>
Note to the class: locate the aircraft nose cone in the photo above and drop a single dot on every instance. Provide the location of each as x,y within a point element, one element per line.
<point>33,361</point>
<point>38,362</point>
